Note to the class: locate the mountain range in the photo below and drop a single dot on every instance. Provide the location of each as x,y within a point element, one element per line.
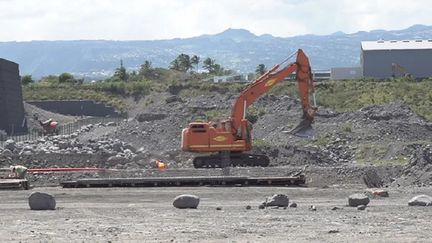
<point>236,49</point>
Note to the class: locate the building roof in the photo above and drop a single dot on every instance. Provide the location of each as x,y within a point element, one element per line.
<point>396,45</point>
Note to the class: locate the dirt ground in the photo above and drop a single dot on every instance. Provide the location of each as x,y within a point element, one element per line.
<point>147,215</point>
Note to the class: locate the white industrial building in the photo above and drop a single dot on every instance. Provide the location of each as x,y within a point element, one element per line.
<point>386,59</point>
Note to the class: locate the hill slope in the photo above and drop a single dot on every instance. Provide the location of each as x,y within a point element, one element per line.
<point>236,49</point>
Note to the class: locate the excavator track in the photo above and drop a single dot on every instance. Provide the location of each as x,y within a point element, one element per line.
<point>235,160</point>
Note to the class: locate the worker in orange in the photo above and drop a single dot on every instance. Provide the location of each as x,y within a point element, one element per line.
<point>160,165</point>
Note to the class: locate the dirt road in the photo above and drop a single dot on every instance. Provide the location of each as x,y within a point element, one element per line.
<point>147,215</point>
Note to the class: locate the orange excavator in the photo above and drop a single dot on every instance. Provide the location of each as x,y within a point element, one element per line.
<point>229,139</point>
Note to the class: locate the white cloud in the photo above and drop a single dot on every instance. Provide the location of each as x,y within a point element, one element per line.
<point>161,19</point>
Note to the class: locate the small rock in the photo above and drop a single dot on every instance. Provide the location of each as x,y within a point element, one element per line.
<point>358,199</point>
<point>186,201</point>
<point>7,152</point>
<point>334,208</point>
<point>312,208</point>
<point>333,231</point>
<point>420,200</point>
<point>293,205</point>
<point>261,206</point>
<point>361,207</point>
<point>10,144</point>
<point>63,145</point>
<point>380,193</point>
<point>111,124</point>
<point>218,208</point>
<point>277,200</point>
<point>248,207</point>
<point>41,201</point>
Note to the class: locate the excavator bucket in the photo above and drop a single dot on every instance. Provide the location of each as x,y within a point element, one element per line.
<point>304,129</point>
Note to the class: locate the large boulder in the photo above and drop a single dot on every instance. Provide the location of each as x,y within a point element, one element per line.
<point>420,200</point>
<point>10,144</point>
<point>186,201</point>
<point>41,201</point>
<point>279,200</point>
<point>358,199</point>
<point>372,179</point>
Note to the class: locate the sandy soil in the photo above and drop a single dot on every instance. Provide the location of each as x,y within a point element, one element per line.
<point>147,215</point>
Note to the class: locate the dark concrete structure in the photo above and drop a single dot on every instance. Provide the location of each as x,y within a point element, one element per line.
<point>12,116</point>
<point>76,107</point>
<point>412,57</point>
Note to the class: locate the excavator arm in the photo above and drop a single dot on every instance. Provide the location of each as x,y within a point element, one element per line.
<point>269,79</point>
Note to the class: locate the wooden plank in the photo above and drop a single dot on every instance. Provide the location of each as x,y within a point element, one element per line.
<point>14,184</point>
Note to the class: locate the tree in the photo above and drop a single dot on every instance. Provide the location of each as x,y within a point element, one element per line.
<point>66,78</point>
<point>182,63</point>
<point>260,69</point>
<point>195,60</point>
<point>120,73</point>
<point>213,68</point>
<point>27,79</point>
<point>146,70</point>
<point>209,64</point>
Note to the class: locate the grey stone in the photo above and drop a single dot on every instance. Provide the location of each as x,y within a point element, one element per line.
<point>150,117</point>
<point>420,200</point>
<point>372,179</point>
<point>186,201</point>
<point>361,207</point>
<point>172,99</point>
<point>41,201</point>
<point>293,205</point>
<point>63,145</point>
<point>248,207</point>
<point>358,199</point>
<point>111,124</point>
<point>118,147</point>
<point>280,200</point>
<point>130,147</point>
<point>7,152</point>
<point>312,208</point>
<point>10,144</point>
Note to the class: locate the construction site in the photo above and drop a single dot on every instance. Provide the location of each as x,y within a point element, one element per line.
<point>194,168</point>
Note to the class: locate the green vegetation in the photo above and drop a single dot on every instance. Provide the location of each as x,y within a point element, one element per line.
<point>253,114</point>
<point>214,115</point>
<point>26,80</point>
<point>379,155</point>
<point>340,95</point>
<point>355,94</point>
<point>260,143</point>
<point>351,95</point>
<point>260,70</point>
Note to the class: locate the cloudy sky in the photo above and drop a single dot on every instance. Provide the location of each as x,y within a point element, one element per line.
<point>23,20</point>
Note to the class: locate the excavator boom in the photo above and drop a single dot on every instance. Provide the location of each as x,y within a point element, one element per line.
<point>269,79</point>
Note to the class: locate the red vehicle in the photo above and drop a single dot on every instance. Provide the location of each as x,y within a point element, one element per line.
<point>228,139</point>
<point>49,127</point>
